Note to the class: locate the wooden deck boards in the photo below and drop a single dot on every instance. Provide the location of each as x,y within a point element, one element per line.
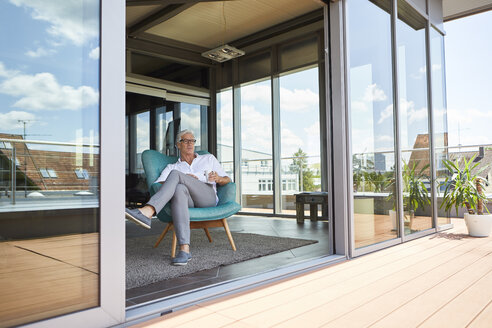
<point>442,280</point>
<point>41,278</point>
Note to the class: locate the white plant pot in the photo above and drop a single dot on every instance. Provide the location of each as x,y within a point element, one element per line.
<point>478,225</point>
<point>392,215</point>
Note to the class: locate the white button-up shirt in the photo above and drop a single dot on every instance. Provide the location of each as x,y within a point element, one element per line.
<point>199,166</point>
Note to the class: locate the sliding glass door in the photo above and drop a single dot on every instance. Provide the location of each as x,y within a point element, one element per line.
<point>256,147</point>
<point>375,201</point>
<point>57,129</point>
<point>414,120</point>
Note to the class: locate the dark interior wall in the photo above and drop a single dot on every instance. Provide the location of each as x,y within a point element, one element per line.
<point>48,223</point>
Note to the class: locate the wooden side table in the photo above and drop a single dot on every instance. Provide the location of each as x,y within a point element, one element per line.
<point>313,199</point>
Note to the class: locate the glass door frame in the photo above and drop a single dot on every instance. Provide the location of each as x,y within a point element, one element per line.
<point>344,138</point>
<point>111,309</point>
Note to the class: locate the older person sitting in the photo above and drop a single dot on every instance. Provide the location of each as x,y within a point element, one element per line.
<point>190,182</point>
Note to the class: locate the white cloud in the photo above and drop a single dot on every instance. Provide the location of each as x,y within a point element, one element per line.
<point>43,92</point>
<point>5,72</point>
<point>72,20</point>
<point>386,113</point>
<point>312,140</point>
<point>10,120</point>
<point>256,92</point>
<point>417,115</point>
<point>39,52</point>
<point>408,108</point>
<point>359,106</point>
<point>297,100</point>
<point>420,74</point>
<point>313,130</point>
<point>94,54</point>
<point>255,130</point>
<point>143,134</point>
<point>290,142</point>
<point>190,120</point>
<point>362,141</point>
<point>225,137</point>
<point>374,93</point>
<point>384,138</point>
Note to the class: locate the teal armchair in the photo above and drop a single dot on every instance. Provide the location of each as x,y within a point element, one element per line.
<point>200,218</point>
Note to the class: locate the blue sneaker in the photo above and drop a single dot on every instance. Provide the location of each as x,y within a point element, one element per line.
<point>182,258</point>
<point>136,216</point>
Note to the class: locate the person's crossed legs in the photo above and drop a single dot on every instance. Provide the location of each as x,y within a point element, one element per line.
<point>184,191</point>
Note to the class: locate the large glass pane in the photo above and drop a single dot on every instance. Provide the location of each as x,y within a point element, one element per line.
<point>49,159</point>
<point>468,86</point>
<point>371,112</point>
<point>300,139</point>
<point>142,139</point>
<point>225,142</point>
<point>414,120</point>
<point>440,122</point>
<point>163,118</point>
<point>194,118</point>
<point>256,143</point>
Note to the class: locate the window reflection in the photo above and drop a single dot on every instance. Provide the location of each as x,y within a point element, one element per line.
<point>142,139</point>
<point>49,159</point>
<point>300,139</point>
<point>439,117</point>
<point>256,143</point>
<point>163,118</point>
<point>225,142</point>
<point>371,112</point>
<point>194,118</point>
<point>413,119</point>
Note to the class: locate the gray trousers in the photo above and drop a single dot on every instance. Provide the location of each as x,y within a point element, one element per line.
<point>183,191</point>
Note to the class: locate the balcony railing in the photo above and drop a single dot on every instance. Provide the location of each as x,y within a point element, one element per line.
<point>48,175</point>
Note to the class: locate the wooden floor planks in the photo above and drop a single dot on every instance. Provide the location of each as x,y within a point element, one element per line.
<point>41,278</point>
<point>442,280</point>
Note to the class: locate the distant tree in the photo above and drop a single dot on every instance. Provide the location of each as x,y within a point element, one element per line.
<point>306,175</point>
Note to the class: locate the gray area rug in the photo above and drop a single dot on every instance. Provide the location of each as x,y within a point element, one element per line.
<point>146,265</point>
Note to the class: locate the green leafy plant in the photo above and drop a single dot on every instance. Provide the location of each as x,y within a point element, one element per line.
<point>414,185</point>
<point>464,188</point>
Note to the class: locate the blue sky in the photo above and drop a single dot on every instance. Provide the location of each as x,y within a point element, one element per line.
<point>49,70</point>
<point>468,45</point>
<point>49,75</point>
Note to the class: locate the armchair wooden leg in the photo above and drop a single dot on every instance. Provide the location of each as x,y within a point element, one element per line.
<point>228,232</point>
<point>208,234</point>
<point>175,242</point>
<point>161,237</point>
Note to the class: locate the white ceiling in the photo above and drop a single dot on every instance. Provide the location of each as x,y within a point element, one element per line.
<point>211,24</point>
<point>459,8</point>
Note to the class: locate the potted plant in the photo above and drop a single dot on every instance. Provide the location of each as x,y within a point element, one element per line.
<point>414,186</point>
<point>414,191</point>
<point>465,189</point>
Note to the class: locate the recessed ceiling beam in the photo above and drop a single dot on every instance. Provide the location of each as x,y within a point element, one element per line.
<point>172,43</point>
<point>158,17</point>
<point>166,52</point>
<point>164,2</point>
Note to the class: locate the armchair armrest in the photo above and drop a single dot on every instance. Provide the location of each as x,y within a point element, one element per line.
<point>226,193</point>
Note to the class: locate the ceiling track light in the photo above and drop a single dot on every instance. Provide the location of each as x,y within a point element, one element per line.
<point>223,53</point>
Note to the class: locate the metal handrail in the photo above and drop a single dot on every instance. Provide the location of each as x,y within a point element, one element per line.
<point>13,168</point>
<point>54,143</point>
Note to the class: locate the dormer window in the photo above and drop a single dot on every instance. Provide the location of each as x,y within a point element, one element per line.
<point>48,173</point>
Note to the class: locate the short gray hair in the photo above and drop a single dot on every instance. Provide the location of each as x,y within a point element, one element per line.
<point>182,133</point>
